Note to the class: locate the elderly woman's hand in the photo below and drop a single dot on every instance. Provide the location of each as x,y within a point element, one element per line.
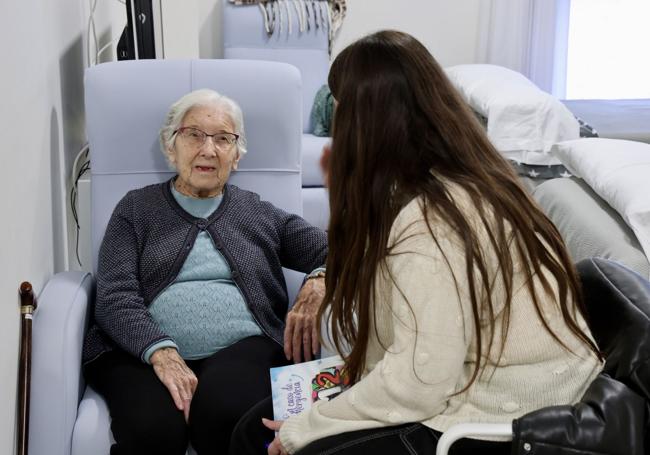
<point>301,332</point>
<point>172,371</point>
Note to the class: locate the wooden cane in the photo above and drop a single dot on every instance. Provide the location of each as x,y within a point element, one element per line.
<point>27,307</point>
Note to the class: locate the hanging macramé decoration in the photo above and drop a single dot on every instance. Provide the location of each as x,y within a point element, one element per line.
<point>277,14</point>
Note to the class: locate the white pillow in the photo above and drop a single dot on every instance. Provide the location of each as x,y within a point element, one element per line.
<point>523,122</point>
<point>619,172</point>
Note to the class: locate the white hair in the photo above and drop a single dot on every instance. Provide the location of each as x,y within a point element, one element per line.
<point>202,97</point>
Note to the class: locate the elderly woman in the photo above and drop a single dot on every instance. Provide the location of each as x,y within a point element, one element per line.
<point>191,299</point>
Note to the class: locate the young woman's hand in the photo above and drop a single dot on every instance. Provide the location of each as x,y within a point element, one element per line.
<point>325,162</point>
<point>172,371</point>
<point>275,448</point>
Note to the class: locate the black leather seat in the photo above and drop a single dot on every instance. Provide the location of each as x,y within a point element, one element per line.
<point>613,416</point>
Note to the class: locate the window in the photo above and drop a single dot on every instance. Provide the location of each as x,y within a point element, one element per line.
<point>608,49</point>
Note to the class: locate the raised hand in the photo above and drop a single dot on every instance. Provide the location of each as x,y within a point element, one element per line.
<point>325,161</point>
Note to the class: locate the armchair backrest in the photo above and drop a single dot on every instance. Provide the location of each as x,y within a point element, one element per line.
<point>244,37</point>
<point>127,101</point>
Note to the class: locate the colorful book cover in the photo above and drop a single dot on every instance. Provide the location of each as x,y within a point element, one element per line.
<point>296,387</point>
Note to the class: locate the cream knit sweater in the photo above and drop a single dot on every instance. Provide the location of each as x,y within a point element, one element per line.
<point>426,347</point>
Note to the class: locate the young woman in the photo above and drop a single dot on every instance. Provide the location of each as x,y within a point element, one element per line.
<point>453,290</point>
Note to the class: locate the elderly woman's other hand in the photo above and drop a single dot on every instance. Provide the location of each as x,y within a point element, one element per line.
<point>172,371</point>
<point>301,332</point>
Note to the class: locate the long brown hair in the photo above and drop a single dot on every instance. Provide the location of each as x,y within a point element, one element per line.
<point>398,118</point>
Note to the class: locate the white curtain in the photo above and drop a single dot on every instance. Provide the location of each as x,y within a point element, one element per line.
<point>529,36</point>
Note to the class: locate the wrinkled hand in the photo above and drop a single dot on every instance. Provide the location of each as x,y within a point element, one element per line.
<point>172,371</point>
<point>325,163</point>
<point>301,332</point>
<point>275,448</point>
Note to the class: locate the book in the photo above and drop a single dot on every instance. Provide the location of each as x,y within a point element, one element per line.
<point>295,388</point>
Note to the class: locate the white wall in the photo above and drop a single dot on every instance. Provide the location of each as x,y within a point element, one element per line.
<point>210,42</point>
<point>43,55</point>
<point>447,28</point>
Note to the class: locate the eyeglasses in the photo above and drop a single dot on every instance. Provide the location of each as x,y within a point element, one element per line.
<point>196,138</point>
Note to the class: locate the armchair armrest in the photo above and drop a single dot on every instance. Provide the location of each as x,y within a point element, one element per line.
<point>57,384</point>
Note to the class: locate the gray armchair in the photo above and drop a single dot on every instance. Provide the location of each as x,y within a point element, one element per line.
<point>244,37</point>
<point>125,106</point>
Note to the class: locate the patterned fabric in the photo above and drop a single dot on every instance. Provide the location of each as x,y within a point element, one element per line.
<point>309,14</point>
<point>552,171</point>
<point>203,311</point>
<point>321,112</point>
<point>544,172</point>
<point>148,239</point>
<point>586,130</point>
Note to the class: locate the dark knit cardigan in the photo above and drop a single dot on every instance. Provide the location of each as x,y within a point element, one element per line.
<point>148,239</point>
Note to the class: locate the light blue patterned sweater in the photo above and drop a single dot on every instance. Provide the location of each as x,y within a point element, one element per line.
<point>202,310</point>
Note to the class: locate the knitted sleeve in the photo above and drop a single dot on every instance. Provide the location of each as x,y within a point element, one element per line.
<point>421,366</point>
<point>303,247</point>
<point>119,308</point>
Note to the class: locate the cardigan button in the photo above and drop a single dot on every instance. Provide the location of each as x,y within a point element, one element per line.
<point>201,225</point>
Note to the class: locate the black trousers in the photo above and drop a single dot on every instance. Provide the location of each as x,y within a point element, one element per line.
<point>145,420</point>
<point>251,438</point>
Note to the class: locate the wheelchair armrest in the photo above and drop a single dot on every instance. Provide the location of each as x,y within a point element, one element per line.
<point>59,325</point>
<point>468,430</point>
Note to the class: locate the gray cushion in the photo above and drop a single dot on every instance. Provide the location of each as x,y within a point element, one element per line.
<point>589,226</point>
<point>312,150</point>
<point>316,207</point>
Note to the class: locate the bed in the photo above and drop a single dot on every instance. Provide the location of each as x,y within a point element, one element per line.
<point>587,222</point>
<point>616,119</point>
<point>589,225</point>
<point>584,161</point>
